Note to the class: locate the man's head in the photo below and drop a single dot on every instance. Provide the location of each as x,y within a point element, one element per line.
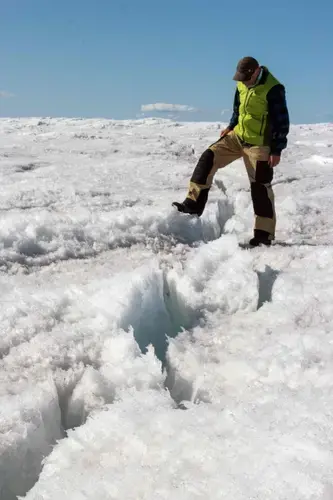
<point>247,71</point>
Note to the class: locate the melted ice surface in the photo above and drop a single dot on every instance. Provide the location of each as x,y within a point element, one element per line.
<point>143,353</point>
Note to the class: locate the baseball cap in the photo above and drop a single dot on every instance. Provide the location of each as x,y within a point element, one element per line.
<point>245,69</point>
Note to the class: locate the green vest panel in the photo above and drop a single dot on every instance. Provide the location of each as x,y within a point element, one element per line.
<point>253,111</point>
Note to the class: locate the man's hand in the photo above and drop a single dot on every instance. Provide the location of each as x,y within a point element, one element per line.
<point>274,160</point>
<point>225,132</point>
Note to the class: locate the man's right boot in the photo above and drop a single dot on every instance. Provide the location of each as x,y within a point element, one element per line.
<point>189,206</point>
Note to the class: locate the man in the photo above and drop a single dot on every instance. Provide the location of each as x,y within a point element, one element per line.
<point>257,133</point>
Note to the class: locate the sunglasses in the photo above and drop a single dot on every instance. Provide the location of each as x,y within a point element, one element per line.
<point>248,74</point>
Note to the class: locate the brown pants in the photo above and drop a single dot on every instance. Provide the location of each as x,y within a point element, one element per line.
<point>225,151</point>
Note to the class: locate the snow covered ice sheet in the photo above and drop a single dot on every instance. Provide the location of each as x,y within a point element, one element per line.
<point>103,284</point>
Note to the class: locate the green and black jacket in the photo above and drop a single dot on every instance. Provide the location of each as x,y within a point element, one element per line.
<point>269,120</point>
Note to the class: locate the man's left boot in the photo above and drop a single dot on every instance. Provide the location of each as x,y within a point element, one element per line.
<point>260,238</point>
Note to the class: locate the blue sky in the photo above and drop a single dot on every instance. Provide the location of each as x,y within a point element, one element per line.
<point>107,58</point>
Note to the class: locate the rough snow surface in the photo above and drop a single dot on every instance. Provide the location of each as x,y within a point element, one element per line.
<point>143,353</point>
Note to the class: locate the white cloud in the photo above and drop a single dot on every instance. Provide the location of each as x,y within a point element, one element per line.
<point>325,116</point>
<point>5,95</point>
<point>162,107</point>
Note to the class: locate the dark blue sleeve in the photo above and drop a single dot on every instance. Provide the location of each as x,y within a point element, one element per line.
<point>235,115</point>
<point>278,118</point>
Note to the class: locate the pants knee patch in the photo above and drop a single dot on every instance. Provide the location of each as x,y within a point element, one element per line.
<point>264,173</point>
<point>203,168</point>
<point>262,205</point>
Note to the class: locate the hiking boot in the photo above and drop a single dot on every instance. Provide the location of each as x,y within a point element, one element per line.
<point>192,207</point>
<point>256,242</point>
<point>260,238</point>
<point>188,207</point>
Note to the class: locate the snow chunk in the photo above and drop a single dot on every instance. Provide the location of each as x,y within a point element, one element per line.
<point>30,424</point>
<point>141,448</point>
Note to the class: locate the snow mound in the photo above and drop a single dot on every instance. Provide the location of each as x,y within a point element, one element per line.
<point>30,424</point>
<point>141,448</point>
